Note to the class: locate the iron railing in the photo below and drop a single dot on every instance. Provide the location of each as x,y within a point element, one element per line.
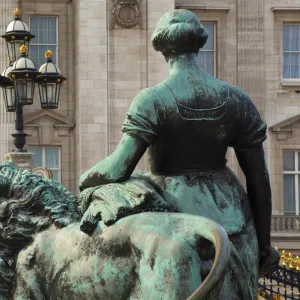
<point>284,283</point>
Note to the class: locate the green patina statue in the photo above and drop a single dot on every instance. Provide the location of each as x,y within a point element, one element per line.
<point>45,256</point>
<point>152,236</point>
<point>187,123</point>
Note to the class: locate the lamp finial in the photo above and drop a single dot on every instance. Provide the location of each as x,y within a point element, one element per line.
<point>17,13</point>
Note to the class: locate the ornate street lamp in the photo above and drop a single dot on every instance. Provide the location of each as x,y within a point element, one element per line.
<point>18,80</point>
<point>49,81</point>
<point>8,88</point>
<point>23,75</point>
<point>16,35</point>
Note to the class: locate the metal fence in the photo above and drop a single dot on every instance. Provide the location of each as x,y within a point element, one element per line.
<point>284,283</point>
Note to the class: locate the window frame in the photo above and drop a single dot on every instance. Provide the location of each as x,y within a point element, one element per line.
<point>44,159</point>
<point>32,43</point>
<point>281,17</point>
<point>215,45</point>
<point>296,174</point>
<point>282,54</point>
<point>224,33</point>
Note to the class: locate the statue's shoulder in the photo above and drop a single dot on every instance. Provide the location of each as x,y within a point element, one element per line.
<point>144,97</point>
<point>238,92</point>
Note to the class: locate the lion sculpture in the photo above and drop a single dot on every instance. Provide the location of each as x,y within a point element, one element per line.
<point>44,255</point>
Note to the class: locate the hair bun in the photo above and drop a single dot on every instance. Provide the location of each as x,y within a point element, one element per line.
<point>179,31</point>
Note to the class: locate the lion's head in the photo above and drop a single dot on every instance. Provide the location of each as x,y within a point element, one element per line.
<point>28,204</point>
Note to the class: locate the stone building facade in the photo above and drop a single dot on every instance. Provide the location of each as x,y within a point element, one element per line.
<point>103,47</point>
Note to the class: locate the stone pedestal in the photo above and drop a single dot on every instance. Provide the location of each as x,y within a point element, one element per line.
<point>22,160</point>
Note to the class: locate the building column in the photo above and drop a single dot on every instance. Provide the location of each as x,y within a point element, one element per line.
<point>250,53</point>
<point>91,100</point>
<point>6,119</point>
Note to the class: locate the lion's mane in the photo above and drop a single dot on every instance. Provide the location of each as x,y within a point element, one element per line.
<point>28,204</point>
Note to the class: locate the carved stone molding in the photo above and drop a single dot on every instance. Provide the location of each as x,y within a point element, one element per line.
<point>126,13</point>
<point>284,130</point>
<point>47,127</point>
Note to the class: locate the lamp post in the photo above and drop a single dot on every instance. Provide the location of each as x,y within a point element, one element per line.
<point>16,35</point>
<point>19,79</point>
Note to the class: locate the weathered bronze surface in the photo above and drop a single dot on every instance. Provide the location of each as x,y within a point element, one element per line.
<point>44,255</point>
<point>147,236</point>
<point>187,123</point>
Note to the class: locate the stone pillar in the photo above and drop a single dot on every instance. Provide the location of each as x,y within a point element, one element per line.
<point>250,34</point>
<point>90,19</point>
<point>6,119</point>
<point>250,50</point>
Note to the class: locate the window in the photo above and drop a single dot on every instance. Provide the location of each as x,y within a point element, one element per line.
<point>45,31</point>
<point>291,51</point>
<point>207,55</point>
<point>47,157</point>
<point>291,182</point>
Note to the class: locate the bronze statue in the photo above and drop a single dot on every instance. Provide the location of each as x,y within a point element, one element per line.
<point>44,255</point>
<point>152,236</point>
<point>187,123</point>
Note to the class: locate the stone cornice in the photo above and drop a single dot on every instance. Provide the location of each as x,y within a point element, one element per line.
<point>203,7</point>
<point>47,113</point>
<point>280,127</point>
<point>285,8</point>
<point>284,129</point>
<point>49,1</point>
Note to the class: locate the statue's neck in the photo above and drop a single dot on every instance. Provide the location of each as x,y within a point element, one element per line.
<point>183,63</point>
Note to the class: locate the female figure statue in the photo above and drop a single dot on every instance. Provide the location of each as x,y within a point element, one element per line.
<point>187,123</point>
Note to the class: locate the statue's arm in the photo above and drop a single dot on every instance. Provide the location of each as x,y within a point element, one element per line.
<point>118,166</point>
<point>252,162</point>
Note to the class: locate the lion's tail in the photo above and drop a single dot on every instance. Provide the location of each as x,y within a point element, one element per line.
<point>215,233</point>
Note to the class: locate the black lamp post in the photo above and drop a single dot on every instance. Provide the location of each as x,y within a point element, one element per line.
<point>23,75</point>
<point>16,35</point>
<point>49,81</point>
<point>8,88</point>
<point>18,80</point>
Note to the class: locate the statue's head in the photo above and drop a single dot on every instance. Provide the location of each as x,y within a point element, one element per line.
<point>178,32</point>
<point>28,204</point>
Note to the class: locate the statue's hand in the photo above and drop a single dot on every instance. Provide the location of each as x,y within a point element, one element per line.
<point>268,261</point>
<point>91,217</point>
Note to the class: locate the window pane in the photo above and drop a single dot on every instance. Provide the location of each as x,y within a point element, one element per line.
<point>202,60</point>
<point>291,51</point>
<point>54,50</point>
<point>289,194</point>
<point>52,23</point>
<point>52,160</point>
<point>295,65</point>
<point>34,28</point>
<point>294,37</point>
<point>38,156</point>
<point>291,37</point>
<point>287,65</point>
<point>54,175</point>
<point>206,56</point>
<point>206,61</point>
<point>52,37</point>
<point>45,30</point>
<point>288,161</point>
<point>286,45</point>
<point>210,62</point>
<point>211,36</point>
